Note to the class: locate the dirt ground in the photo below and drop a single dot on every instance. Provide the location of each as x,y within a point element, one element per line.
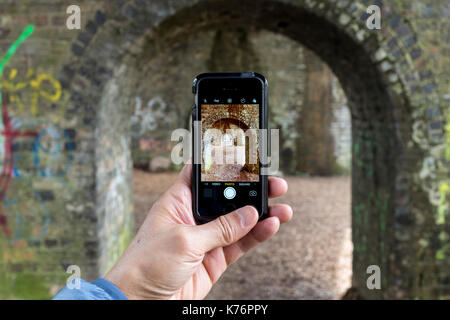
<point>309,258</point>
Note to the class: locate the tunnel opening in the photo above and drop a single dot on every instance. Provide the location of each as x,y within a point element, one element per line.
<point>229,49</point>
<point>364,87</point>
<point>325,127</point>
<point>378,104</point>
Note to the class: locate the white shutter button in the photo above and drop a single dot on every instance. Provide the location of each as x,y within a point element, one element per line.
<point>229,193</point>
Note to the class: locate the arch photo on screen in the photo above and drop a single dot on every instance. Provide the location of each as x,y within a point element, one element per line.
<point>229,143</point>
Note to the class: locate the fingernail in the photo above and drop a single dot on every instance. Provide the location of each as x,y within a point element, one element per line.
<point>245,215</point>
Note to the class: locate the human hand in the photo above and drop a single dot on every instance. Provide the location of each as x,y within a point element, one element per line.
<point>173,258</point>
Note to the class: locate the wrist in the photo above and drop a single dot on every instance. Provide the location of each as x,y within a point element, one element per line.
<point>124,280</point>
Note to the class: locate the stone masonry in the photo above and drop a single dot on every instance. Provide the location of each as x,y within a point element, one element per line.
<point>66,133</point>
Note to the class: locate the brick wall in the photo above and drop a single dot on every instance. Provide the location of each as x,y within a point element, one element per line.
<point>66,145</point>
<point>165,105</point>
<point>48,203</point>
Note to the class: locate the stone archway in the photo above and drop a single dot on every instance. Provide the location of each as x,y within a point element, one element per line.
<point>396,146</point>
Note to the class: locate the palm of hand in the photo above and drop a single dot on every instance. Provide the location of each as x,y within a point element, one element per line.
<point>175,208</point>
<point>167,259</point>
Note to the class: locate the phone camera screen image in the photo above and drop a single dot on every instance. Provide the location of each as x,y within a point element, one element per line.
<point>228,174</point>
<point>229,136</point>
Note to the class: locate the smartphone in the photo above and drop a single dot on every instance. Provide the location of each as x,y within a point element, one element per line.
<point>229,114</point>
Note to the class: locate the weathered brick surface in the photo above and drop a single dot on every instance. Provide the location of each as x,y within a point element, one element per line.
<point>67,198</point>
<point>165,104</point>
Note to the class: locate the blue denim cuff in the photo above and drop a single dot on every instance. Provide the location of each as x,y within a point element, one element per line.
<point>110,288</point>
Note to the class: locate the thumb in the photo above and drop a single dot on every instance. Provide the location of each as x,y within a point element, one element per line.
<point>226,229</point>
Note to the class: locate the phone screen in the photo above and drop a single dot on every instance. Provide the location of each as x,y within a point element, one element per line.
<point>230,111</point>
<point>229,137</point>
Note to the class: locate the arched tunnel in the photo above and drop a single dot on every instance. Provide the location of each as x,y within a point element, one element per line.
<point>126,83</point>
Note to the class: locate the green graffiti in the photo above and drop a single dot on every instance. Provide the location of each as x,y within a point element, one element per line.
<point>7,57</point>
<point>366,147</point>
<point>441,253</point>
<point>12,50</point>
<point>445,187</point>
<point>381,205</point>
<point>447,147</point>
<point>375,200</point>
<point>443,191</point>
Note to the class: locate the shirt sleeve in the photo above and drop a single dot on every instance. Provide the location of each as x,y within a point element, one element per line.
<point>100,289</point>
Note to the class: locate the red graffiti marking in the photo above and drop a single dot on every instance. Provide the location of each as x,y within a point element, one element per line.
<point>8,163</point>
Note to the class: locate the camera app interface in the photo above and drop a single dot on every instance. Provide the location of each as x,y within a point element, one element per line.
<point>229,172</point>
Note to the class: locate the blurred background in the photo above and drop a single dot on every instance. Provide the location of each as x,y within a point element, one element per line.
<point>87,118</point>
<point>311,257</point>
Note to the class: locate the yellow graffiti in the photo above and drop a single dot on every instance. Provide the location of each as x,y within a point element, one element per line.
<point>42,86</point>
<point>18,255</point>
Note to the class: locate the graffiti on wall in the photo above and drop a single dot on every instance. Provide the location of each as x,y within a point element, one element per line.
<point>444,207</point>
<point>150,126</point>
<point>42,86</point>
<point>150,117</point>
<point>7,169</point>
<point>433,167</point>
<point>29,148</point>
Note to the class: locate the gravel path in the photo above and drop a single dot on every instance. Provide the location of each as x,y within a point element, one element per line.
<point>309,258</point>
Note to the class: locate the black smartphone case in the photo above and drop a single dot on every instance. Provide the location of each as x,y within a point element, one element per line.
<point>264,125</point>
